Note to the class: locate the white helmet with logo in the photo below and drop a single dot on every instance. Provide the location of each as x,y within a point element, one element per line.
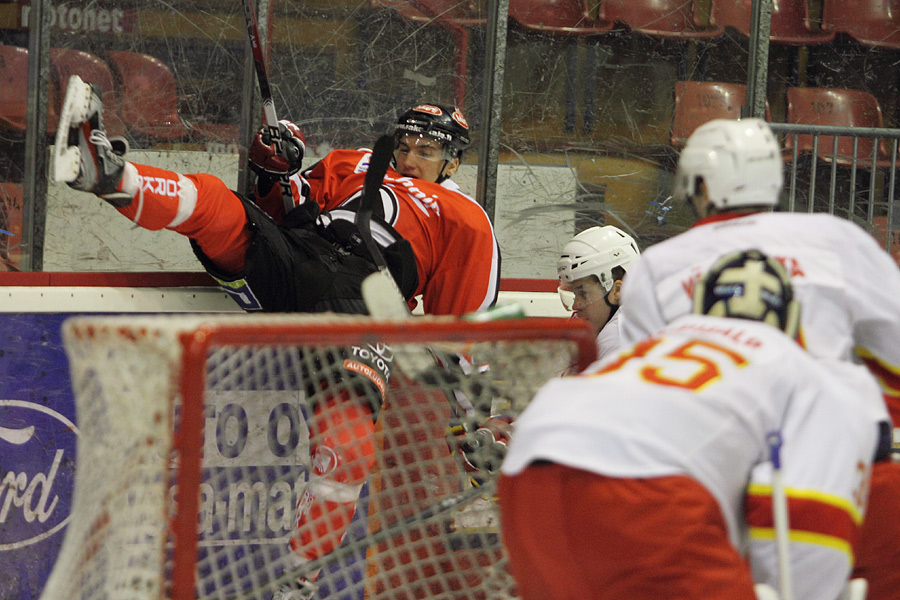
<point>739,161</point>
<point>596,251</point>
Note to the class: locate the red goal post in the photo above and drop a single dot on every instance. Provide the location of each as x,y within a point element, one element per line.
<point>193,453</point>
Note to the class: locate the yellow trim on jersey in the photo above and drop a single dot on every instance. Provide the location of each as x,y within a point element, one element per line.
<point>758,489</point>
<point>864,354</point>
<point>806,537</point>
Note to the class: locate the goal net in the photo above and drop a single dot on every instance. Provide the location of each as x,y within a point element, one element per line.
<point>226,456</point>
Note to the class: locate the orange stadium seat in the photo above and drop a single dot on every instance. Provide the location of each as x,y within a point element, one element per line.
<point>14,91</point>
<point>557,16</point>
<point>671,19</point>
<point>870,22</point>
<point>697,102</point>
<point>841,108</point>
<point>149,96</point>
<point>790,21</point>
<point>65,62</point>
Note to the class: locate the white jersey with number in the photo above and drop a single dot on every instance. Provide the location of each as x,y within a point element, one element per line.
<point>848,287</point>
<point>699,399</point>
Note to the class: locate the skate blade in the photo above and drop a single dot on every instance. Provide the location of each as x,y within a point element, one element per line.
<point>67,159</point>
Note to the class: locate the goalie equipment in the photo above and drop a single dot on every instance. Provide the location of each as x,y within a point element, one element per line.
<point>749,285</point>
<point>282,159</point>
<point>739,162</point>
<point>446,125</point>
<point>596,251</point>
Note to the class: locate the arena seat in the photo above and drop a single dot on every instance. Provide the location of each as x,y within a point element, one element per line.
<point>149,96</point>
<point>697,102</point>
<point>14,91</point>
<point>457,16</point>
<point>570,17</point>
<point>841,108</point>
<point>668,19</point>
<point>790,21</point>
<point>869,22</point>
<point>65,62</point>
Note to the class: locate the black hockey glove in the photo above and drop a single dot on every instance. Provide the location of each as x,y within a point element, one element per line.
<point>284,161</point>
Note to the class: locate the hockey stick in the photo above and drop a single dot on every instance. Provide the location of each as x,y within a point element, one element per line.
<point>380,292</point>
<point>780,517</point>
<point>262,76</point>
<point>454,501</point>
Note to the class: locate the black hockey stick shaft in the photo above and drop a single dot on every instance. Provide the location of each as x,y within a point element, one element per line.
<point>259,63</point>
<point>379,162</point>
<point>265,92</point>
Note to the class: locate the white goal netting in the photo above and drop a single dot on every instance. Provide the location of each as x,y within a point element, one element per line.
<point>204,439</point>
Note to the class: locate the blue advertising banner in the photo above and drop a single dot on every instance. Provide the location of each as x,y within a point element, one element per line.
<point>38,435</point>
<point>37,451</point>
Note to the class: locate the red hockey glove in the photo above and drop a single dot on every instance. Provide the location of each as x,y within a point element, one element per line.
<point>481,452</point>
<point>265,159</point>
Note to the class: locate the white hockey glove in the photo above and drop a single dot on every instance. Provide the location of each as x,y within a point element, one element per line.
<point>279,160</point>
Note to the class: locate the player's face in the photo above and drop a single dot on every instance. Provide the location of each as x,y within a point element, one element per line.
<point>422,158</point>
<point>588,304</point>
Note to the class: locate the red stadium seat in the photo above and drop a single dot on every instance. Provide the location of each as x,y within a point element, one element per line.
<point>65,62</point>
<point>790,21</point>
<point>565,18</point>
<point>14,91</point>
<point>455,15</point>
<point>841,108</point>
<point>149,96</point>
<point>671,19</point>
<point>557,16</point>
<point>870,22</point>
<point>697,102</point>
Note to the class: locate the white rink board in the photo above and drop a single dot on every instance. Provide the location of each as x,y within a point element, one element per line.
<point>534,219</point>
<point>72,299</point>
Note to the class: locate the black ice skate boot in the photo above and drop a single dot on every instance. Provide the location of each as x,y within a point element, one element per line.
<point>84,156</point>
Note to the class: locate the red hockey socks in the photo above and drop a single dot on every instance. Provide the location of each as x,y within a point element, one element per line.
<point>198,206</point>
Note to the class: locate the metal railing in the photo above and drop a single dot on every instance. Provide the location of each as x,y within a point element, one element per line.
<point>856,165</point>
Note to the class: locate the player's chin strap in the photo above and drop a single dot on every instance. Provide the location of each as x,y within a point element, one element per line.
<point>612,307</point>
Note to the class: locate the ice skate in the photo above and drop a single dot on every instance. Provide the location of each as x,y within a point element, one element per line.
<point>84,156</point>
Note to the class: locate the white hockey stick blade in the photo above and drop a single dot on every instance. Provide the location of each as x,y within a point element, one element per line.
<point>382,298</point>
<point>856,589</point>
<point>67,159</point>
<point>765,592</point>
<point>384,301</point>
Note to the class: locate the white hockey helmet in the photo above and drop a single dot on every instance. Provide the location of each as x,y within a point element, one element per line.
<point>596,251</point>
<point>739,161</point>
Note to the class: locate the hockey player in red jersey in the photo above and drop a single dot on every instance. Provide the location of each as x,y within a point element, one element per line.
<point>591,269</point>
<point>303,253</point>
<point>651,475</point>
<point>730,172</point>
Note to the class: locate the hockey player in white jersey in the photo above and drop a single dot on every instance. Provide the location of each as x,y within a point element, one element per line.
<point>648,476</point>
<point>591,268</point>
<point>731,174</point>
